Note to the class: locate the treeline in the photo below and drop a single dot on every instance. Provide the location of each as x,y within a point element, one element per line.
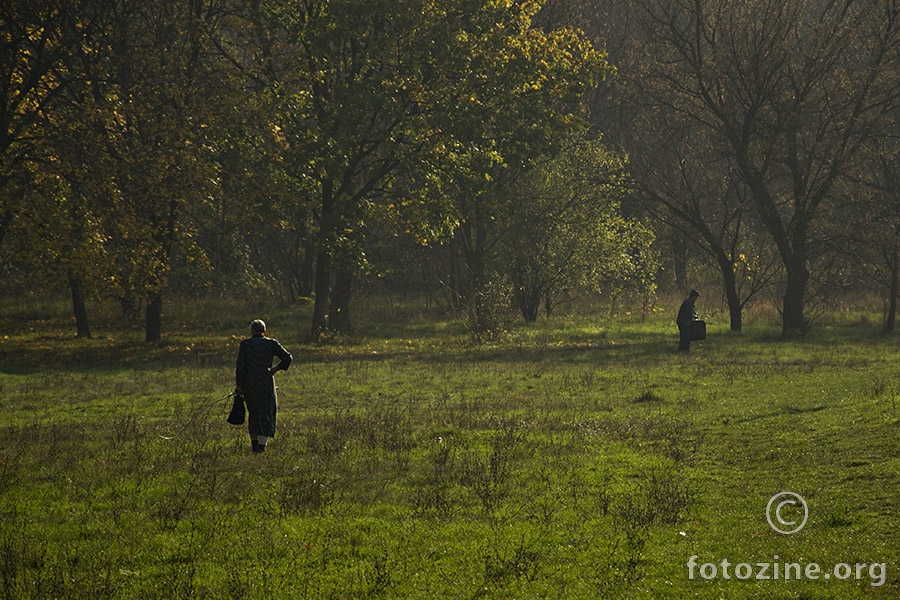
<point>488,152</point>
<point>299,145</point>
<point>764,135</point>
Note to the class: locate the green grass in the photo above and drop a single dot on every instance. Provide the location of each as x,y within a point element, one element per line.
<point>577,458</point>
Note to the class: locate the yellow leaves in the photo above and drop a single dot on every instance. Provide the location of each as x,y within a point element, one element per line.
<point>748,266</point>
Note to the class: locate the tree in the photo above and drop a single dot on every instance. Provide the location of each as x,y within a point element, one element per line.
<point>37,42</point>
<point>366,96</point>
<point>45,195</point>
<point>66,241</point>
<point>341,83</point>
<point>567,231</point>
<point>683,179</point>
<point>522,106</point>
<point>793,90</point>
<point>872,227</point>
<point>686,183</point>
<point>154,94</point>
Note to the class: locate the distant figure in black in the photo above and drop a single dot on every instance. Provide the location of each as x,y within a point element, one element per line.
<point>255,379</point>
<point>686,314</point>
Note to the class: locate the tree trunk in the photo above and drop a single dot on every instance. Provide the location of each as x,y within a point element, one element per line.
<point>166,239</point>
<point>307,276</point>
<point>153,319</point>
<point>736,313</point>
<point>529,297</point>
<point>735,310</point>
<point>467,271</point>
<point>457,282</point>
<point>793,322</point>
<point>679,256</point>
<point>339,317</point>
<point>323,291</point>
<point>5,222</point>
<point>479,316</point>
<point>82,325</point>
<point>891,318</point>
<point>327,218</point>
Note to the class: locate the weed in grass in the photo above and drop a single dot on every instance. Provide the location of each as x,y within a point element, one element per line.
<point>180,567</point>
<point>839,517</point>
<point>490,477</point>
<point>587,491</point>
<point>661,497</point>
<point>648,396</point>
<point>175,505</point>
<point>328,435</point>
<point>305,492</point>
<point>668,495</point>
<point>432,495</point>
<point>882,387</point>
<point>504,565</point>
<point>13,554</point>
<point>11,455</point>
<point>390,428</point>
<point>380,577</point>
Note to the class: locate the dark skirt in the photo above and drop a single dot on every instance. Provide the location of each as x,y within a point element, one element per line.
<point>261,415</point>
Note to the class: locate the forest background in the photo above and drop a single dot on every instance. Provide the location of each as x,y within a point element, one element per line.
<point>479,154</point>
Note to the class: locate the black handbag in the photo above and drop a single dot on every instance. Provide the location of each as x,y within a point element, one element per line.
<point>238,411</point>
<point>698,331</point>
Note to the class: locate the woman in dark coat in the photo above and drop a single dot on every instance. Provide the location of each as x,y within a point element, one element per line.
<point>255,379</point>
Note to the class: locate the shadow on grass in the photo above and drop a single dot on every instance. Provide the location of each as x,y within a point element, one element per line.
<point>62,351</point>
<point>789,410</point>
<point>581,342</point>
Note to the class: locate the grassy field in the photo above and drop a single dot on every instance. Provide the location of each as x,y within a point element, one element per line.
<point>577,458</point>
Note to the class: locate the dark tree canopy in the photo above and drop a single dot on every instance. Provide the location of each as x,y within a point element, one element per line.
<point>305,146</point>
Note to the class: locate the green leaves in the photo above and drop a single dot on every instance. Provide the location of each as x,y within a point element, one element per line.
<point>332,122</point>
<point>387,108</point>
<point>568,232</point>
